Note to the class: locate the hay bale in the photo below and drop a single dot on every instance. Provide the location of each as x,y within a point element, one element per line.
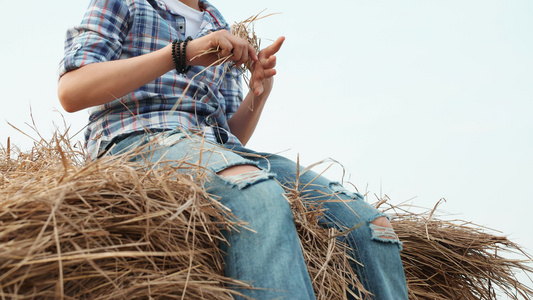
<point>108,229</point>
<point>105,230</point>
<point>73,229</point>
<point>455,259</point>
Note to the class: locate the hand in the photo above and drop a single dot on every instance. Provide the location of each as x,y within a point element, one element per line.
<point>211,49</point>
<point>263,69</point>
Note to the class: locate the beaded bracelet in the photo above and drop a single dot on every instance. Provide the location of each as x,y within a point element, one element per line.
<point>174,57</point>
<point>178,55</point>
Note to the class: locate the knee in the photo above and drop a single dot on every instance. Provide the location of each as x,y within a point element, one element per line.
<point>382,228</point>
<point>243,176</point>
<point>253,188</point>
<point>238,170</point>
<point>382,222</point>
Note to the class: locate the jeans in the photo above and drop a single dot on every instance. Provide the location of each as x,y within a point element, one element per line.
<point>270,257</point>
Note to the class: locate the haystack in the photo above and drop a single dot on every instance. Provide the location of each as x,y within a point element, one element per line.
<point>456,259</point>
<point>76,229</point>
<point>107,229</point>
<point>110,229</point>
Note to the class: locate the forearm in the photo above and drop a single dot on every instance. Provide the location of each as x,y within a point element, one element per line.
<point>246,118</point>
<point>100,83</point>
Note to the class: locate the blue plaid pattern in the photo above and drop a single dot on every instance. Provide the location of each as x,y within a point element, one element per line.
<point>120,29</point>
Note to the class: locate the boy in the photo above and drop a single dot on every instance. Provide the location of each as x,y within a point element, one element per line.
<point>141,68</point>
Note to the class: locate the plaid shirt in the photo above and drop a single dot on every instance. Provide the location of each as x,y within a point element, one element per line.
<point>120,29</point>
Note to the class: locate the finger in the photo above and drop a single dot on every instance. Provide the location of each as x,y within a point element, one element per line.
<point>237,54</point>
<point>258,81</point>
<point>258,88</point>
<point>272,49</point>
<point>225,47</point>
<point>241,50</point>
<point>269,73</point>
<point>258,76</point>
<point>245,53</point>
<point>269,63</point>
<point>261,73</point>
<point>251,52</point>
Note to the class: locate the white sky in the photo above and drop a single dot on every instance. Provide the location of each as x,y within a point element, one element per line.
<point>416,98</point>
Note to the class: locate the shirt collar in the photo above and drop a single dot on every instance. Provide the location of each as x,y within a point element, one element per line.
<point>216,16</point>
<point>161,4</point>
<point>213,15</point>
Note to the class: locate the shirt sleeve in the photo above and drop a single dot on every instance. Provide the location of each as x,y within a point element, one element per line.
<point>99,36</point>
<point>232,91</point>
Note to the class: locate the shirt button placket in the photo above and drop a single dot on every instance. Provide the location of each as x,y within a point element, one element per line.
<point>181,25</point>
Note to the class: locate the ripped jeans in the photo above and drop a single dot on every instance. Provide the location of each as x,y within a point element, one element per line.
<point>270,258</point>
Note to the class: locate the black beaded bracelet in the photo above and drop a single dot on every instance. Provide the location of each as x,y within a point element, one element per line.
<point>183,57</point>
<point>178,55</point>
<point>174,54</point>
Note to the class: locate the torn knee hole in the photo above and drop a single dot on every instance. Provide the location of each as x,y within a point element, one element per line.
<point>382,229</point>
<point>382,222</point>
<point>244,175</point>
<point>238,170</point>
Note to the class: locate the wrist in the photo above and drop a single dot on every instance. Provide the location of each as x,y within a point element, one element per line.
<point>179,55</point>
<point>167,54</point>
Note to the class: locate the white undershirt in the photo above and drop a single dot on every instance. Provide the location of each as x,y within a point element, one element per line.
<point>193,18</point>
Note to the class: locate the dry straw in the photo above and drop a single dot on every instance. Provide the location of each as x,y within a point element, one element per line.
<point>455,259</point>
<point>109,229</point>
<point>246,31</point>
<point>106,229</point>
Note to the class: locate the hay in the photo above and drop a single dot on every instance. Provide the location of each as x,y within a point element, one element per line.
<point>326,258</point>
<point>245,30</point>
<point>108,229</point>
<point>455,259</point>
<point>105,230</point>
<point>73,229</point>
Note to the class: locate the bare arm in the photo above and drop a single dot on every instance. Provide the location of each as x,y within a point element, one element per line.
<point>245,119</point>
<point>100,83</point>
